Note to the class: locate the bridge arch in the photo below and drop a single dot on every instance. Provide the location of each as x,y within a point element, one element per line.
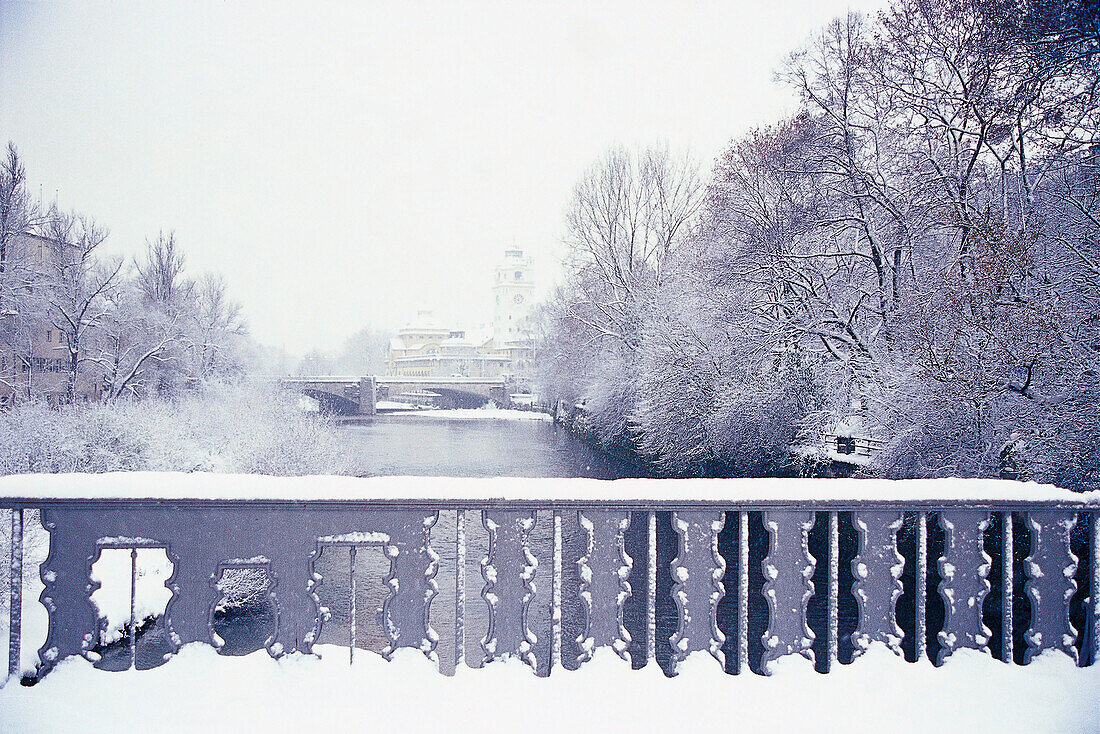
<point>330,403</point>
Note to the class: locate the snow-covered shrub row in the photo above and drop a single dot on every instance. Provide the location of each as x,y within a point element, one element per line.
<point>224,427</point>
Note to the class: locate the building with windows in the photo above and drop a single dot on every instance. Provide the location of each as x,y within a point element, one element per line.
<point>36,363</point>
<point>424,348</point>
<point>428,348</point>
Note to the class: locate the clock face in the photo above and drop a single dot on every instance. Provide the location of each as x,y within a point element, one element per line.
<point>518,299</point>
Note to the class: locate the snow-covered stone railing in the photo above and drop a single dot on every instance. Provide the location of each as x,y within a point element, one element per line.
<point>745,570</point>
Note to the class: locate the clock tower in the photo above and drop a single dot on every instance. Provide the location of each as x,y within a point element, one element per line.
<point>513,290</point>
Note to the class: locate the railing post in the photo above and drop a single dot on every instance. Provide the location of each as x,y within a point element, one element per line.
<point>834,589</point>
<point>15,610</point>
<point>604,569</point>
<point>555,617</point>
<point>1095,591</point>
<point>743,595</point>
<point>133,608</point>
<point>460,588</point>
<point>413,567</point>
<point>921,629</point>
<point>964,570</point>
<point>351,582</point>
<point>651,591</point>
<point>509,571</point>
<point>1007,552</point>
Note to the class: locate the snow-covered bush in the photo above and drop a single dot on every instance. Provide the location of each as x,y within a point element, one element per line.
<point>234,427</point>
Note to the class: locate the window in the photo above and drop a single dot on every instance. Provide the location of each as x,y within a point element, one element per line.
<point>44,364</point>
<point>519,275</point>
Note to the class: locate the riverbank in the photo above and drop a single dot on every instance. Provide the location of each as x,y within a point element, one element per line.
<point>802,462</point>
<point>243,427</point>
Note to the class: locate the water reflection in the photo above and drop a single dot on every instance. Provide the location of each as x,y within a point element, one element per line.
<point>436,446</point>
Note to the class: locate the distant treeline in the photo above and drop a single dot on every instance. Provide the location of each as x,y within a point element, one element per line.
<point>914,255</point>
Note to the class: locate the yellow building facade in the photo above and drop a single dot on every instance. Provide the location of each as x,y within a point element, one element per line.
<point>429,348</point>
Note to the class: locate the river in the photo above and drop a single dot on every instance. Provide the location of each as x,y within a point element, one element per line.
<point>462,444</point>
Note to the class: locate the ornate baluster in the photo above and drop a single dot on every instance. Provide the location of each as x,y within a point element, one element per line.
<point>66,573</point>
<point>604,569</point>
<point>413,566</point>
<point>697,571</point>
<point>964,569</point>
<point>291,565</point>
<point>1050,586</point>
<point>188,614</point>
<point>509,571</point>
<point>877,571</point>
<point>788,586</point>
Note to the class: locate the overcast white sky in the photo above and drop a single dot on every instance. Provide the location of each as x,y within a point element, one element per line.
<point>343,165</point>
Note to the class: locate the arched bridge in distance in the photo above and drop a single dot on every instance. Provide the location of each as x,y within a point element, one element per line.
<point>360,395</point>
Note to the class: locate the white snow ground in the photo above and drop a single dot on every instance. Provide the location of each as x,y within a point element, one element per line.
<point>198,690</point>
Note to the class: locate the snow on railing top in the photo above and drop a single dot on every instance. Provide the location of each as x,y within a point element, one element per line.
<point>24,489</point>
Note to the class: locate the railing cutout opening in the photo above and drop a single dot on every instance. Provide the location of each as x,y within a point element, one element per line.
<point>129,592</point>
<point>349,582</point>
<point>245,617</point>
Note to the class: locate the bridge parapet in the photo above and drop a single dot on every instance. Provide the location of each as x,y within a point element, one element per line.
<point>745,571</point>
<point>349,395</point>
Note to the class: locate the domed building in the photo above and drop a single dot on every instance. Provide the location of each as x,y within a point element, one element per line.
<point>428,348</point>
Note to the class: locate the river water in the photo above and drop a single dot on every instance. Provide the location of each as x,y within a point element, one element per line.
<point>438,445</point>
